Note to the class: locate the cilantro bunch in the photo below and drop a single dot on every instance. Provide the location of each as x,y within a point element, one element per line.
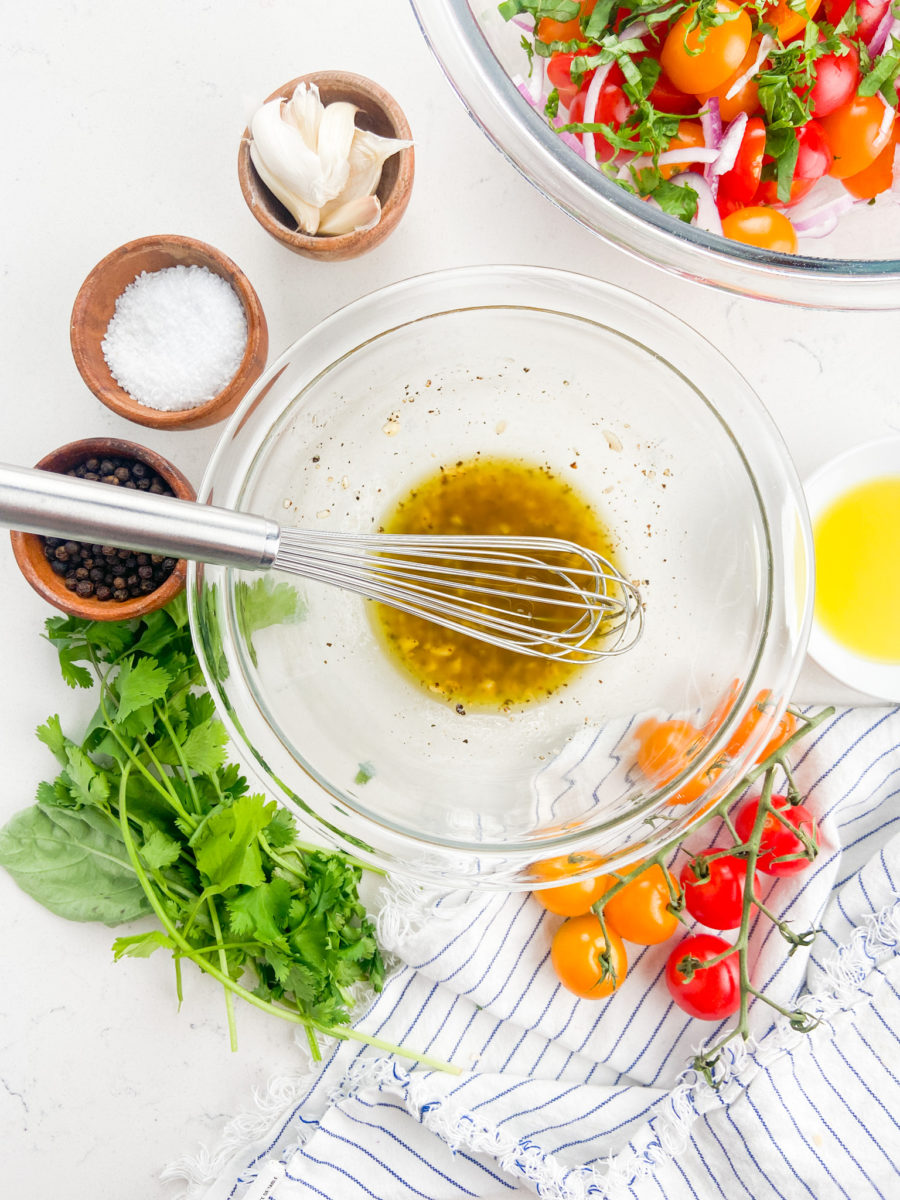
<point>146,815</point>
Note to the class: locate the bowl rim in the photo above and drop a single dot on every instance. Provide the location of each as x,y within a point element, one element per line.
<point>85,349</point>
<point>529,144</point>
<point>781,468</point>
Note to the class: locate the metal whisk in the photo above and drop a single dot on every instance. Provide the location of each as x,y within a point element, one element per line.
<point>540,596</point>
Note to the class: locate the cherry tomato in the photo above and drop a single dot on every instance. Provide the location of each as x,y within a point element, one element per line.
<point>747,99</point>
<point>666,747</point>
<point>689,135</point>
<point>737,187</point>
<point>785,728</point>
<point>697,61</point>
<point>570,899</point>
<point>710,993</point>
<point>814,159</point>
<point>787,21</point>
<point>759,711</point>
<point>703,782</point>
<point>714,889</point>
<point>667,98</point>
<point>869,12</point>
<point>639,912</point>
<point>777,839</point>
<point>877,177</point>
<point>722,710</point>
<point>836,78</point>
<point>549,31</point>
<point>854,133</point>
<point>559,73</point>
<point>613,108</point>
<point>763,227</point>
<point>586,962</point>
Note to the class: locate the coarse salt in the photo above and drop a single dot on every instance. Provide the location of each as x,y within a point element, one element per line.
<point>176,338</point>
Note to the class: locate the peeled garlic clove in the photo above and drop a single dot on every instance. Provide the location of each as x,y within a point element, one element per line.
<point>287,156</point>
<point>336,131</point>
<point>368,152</point>
<point>340,216</point>
<point>306,215</point>
<point>305,110</point>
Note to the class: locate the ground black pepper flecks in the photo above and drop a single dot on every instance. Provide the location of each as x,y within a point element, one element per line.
<point>101,572</point>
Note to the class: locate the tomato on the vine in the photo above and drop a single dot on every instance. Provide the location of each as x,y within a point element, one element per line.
<point>570,899</point>
<point>836,78</point>
<point>714,888</point>
<point>710,993</point>
<point>778,841</point>
<point>666,747</point>
<point>587,963</point>
<point>763,227</point>
<point>814,159</point>
<point>785,728</point>
<point>699,785</point>
<point>759,712</point>
<point>738,186</point>
<point>855,133</point>
<point>640,911</point>
<point>698,60</point>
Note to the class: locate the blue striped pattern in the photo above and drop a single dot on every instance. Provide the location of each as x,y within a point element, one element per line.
<point>574,1099</point>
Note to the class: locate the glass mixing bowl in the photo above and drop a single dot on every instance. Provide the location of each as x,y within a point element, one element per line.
<point>655,429</point>
<point>855,267</point>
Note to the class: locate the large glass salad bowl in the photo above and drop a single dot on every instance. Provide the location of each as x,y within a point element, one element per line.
<point>666,441</point>
<point>857,266</point>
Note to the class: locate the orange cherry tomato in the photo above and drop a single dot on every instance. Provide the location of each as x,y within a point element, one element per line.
<point>854,133</point>
<point>689,135</point>
<point>703,782</point>
<point>785,728</point>
<point>666,747</point>
<point>747,99</point>
<point>699,60</point>
<point>640,911</point>
<point>574,898</point>
<point>763,227</point>
<point>759,711</point>
<point>787,21</point>
<point>586,962</point>
<point>720,713</point>
<point>877,177</point>
<point>549,30</point>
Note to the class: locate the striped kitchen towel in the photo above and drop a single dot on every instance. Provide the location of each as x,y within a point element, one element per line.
<point>568,1098</point>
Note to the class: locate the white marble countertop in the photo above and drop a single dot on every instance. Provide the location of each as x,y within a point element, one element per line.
<point>123,120</point>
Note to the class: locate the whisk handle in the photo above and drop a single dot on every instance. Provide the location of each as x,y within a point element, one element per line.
<point>61,506</point>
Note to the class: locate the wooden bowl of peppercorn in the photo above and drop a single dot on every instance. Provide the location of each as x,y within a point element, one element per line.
<point>99,582</point>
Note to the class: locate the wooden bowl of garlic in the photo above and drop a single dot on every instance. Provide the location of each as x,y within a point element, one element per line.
<point>326,165</point>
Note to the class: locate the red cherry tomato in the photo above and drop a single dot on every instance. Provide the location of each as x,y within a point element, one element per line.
<point>836,78</point>
<point>714,889</point>
<point>814,159</point>
<point>778,841</point>
<point>710,993</point>
<point>699,60</point>
<point>737,187</point>
<point>667,98</point>
<point>559,73</point>
<point>854,133</point>
<point>869,12</point>
<point>763,227</point>
<point>613,108</point>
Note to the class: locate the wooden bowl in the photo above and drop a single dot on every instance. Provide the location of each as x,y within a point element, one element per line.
<point>28,548</point>
<point>96,303</point>
<point>378,112</point>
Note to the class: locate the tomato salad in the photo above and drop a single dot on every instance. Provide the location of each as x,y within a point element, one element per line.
<point>725,114</point>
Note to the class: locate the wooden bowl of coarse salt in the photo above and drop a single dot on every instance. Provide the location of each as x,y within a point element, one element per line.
<point>168,332</point>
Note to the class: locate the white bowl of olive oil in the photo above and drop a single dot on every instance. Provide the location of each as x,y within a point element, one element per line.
<point>520,400</point>
<point>854,504</point>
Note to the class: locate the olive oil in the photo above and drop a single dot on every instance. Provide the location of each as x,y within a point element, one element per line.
<point>484,496</point>
<point>857,546</point>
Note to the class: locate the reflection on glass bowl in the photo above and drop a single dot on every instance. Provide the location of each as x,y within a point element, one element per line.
<point>857,266</point>
<point>681,463</point>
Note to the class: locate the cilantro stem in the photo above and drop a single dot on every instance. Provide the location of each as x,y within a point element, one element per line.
<point>179,752</point>
<point>223,964</point>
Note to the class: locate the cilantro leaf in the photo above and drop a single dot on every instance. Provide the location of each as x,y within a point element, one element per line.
<point>226,847</point>
<point>261,913</point>
<point>140,682</point>
<point>51,734</point>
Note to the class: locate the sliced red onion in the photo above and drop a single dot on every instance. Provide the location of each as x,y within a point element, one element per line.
<point>711,124</point>
<point>524,21</point>
<point>766,42</point>
<point>879,38</point>
<point>532,89</point>
<point>637,29</point>
<point>730,144</point>
<point>572,140</point>
<point>590,111</point>
<point>685,154</point>
<point>821,219</point>
<point>707,216</point>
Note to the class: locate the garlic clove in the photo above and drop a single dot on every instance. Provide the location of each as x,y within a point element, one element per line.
<point>354,216</point>
<point>282,148</point>
<point>368,152</point>
<point>305,109</point>
<point>306,215</point>
<point>336,132</point>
